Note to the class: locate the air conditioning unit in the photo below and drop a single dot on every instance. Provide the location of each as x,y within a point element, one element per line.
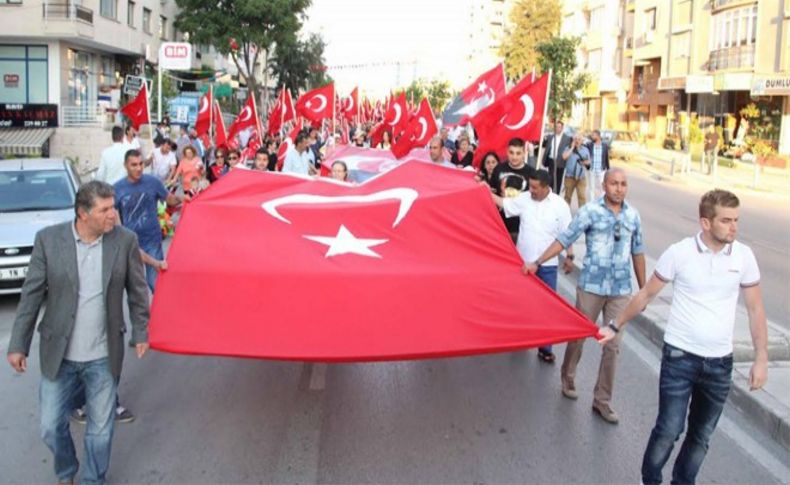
<point>650,36</point>
<point>145,50</point>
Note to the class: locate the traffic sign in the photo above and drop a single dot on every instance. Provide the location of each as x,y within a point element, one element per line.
<point>133,84</point>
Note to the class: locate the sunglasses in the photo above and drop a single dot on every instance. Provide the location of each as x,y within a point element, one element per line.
<point>234,158</point>
<point>617,231</point>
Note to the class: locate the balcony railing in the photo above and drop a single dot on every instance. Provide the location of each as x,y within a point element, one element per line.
<point>67,11</point>
<point>716,4</point>
<point>731,58</point>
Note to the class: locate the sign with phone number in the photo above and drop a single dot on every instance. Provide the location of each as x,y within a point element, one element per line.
<point>28,115</point>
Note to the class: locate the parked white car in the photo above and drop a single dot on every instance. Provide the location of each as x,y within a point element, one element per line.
<point>622,144</point>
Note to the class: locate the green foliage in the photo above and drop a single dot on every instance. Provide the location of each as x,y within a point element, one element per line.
<point>531,23</point>
<point>750,111</point>
<point>169,91</point>
<point>436,91</point>
<point>245,29</point>
<point>761,148</point>
<point>299,65</point>
<point>695,132</point>
<point>559,55</point>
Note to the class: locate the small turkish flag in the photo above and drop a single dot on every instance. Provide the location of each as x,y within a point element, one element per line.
<point>282,112</point>
<point>137,109</point>
<point>220,135</point>
<point>483,92</point>
<point>350,105</point>
<point>345,139</point>
<point>520,114</point>
<point>203,122</point>
<point>397,115</point>
<point>421,127</point>
<point>247,118</point>
<point>318,104</point>
<point>282,150</point>
<point>412,264</point>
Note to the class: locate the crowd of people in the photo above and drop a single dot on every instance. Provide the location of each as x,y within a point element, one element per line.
<point>698,347</point>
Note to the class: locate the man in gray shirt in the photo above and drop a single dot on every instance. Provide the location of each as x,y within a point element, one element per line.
<point>79,271</point>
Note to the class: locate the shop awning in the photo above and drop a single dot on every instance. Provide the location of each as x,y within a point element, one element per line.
<point>24,141</point>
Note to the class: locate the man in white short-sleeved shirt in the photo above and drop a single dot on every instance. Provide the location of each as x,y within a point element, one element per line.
<point>707,271</point>
<point>543,215</point>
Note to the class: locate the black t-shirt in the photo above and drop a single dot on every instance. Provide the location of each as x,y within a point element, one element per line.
<point>272,165</point>
<point>519,179</point>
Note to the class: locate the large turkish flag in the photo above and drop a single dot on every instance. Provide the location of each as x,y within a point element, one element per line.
<point>415,263</point>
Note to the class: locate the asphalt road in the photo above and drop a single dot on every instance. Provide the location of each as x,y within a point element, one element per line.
<point>670,212</point>
<point>488,419</point>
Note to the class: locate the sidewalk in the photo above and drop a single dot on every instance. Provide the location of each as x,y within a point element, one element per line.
<point>768,408</point>
<point>658,162</point>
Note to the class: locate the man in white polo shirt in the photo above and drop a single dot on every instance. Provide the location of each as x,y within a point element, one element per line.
<point>707,271</point>
<point>543,215</point>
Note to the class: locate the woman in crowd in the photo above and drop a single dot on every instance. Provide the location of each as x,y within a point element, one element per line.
<point>386,140</point>
<point>340,171</point>
<point>464,155</point>
<point>490,162</point>
<point>189,168</point>
<point>220,166</point>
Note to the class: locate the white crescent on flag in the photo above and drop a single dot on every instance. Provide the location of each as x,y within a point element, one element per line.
<point>322,99</point>
<point>405,196</point>
<point>529,110</point>
<point>245,114</point>
<point>203,104</point>
<point>423,127</point>
<point>397,115</point>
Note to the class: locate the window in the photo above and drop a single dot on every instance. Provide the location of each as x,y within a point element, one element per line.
<point>596,18</point>
<point>23,74</point>
<point>109,8</point>
<point>11,2</point>
<point>107,73</point>
<point>163,27</point>
<point>80,77</point>
<point>130,14</point>
<point>146,20</point>
<point>594,60</point>
<point>650,19</point>
<point>734,28</point>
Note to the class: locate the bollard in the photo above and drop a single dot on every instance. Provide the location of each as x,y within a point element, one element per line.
<point>672,167</point>
<point>715,166</point>
<point>756,180</point>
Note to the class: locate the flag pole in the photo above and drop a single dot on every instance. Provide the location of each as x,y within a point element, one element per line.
<point>334,109</point>
<point>211,115</point>
<point>539,161</point>
<point>148,112</point>
<point>257,119</point>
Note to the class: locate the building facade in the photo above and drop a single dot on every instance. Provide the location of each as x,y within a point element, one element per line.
<point>73,57</point>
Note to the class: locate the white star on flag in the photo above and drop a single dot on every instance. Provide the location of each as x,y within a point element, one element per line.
<point>347,243</point>
<point>481,88</point>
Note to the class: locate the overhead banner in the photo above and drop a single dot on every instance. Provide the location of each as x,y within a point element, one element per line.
<point>415,263</point>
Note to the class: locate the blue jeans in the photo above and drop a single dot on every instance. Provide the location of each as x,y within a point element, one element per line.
<point>155,251</point>
<point>56,398</point>
<point>706,383</point>
<point>547,274</point>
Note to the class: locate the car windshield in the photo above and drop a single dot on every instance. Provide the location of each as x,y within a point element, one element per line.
<point>26,190</point>
<point>624,136</point>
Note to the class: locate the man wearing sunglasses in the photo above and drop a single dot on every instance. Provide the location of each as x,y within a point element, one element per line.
<point>613,235</point>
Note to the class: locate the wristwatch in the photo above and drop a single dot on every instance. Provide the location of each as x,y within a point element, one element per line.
<point>613,326</point>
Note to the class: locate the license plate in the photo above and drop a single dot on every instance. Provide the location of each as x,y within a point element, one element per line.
<point>13,273</point>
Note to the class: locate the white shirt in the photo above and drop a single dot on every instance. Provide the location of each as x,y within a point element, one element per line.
<point>296,162</point>
<point>705,293</point>
<point>162,164</point>
<point>111,167</point>
<point>555,144</point>
<point>540,223</point>
<point>134,144</point>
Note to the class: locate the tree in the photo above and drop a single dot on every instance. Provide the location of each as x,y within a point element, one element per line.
<point>530,23</point>
<point>300,65</point>
<point>245,29</point>
<point>436,91</point>
<point>559,55</point>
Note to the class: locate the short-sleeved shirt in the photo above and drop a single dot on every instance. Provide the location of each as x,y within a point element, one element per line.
<point>137,205</point>
<point>189,169</point>
<point>296,162</point>
<point>540,223</point>
<point>573,167</point>
<point>502,172</point>
<point>705,293</point>
<point>162,164</point>
<point>611,240</point>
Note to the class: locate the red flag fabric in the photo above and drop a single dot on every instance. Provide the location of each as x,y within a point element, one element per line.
<point>220,135</point>
<point>412,264</point>
<point>247,118</point>
<point>350,105</point>
<point>483,92</point>
<point>345,139</point>
<point>364,163</point>
<point>397,115</point>
<point>282,150</point>
<point>276,115</point>
<point>203,122</point>
<point>137,109</point>
<point>318,104</point>
<point>289,112</point>
<point>421,127</point>
<point>519,114</point>
<point>377,133</point>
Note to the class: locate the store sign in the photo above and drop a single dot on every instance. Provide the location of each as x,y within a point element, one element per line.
<point>771,86</point>
<point>740,81</point>
<point>175,55</point>
<point>11,80</point>
<point>133,84</point>
<point>699,84</point>
<point>667,83</point>
<point>28,115</point>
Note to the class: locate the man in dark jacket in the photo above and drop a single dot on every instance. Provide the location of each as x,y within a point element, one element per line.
<point>599,164</point>
<point>553,147</point>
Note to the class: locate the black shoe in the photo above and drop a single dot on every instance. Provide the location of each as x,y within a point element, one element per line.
<point>78,416</point>
<point>123,415</point>
<point>546,356</point>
